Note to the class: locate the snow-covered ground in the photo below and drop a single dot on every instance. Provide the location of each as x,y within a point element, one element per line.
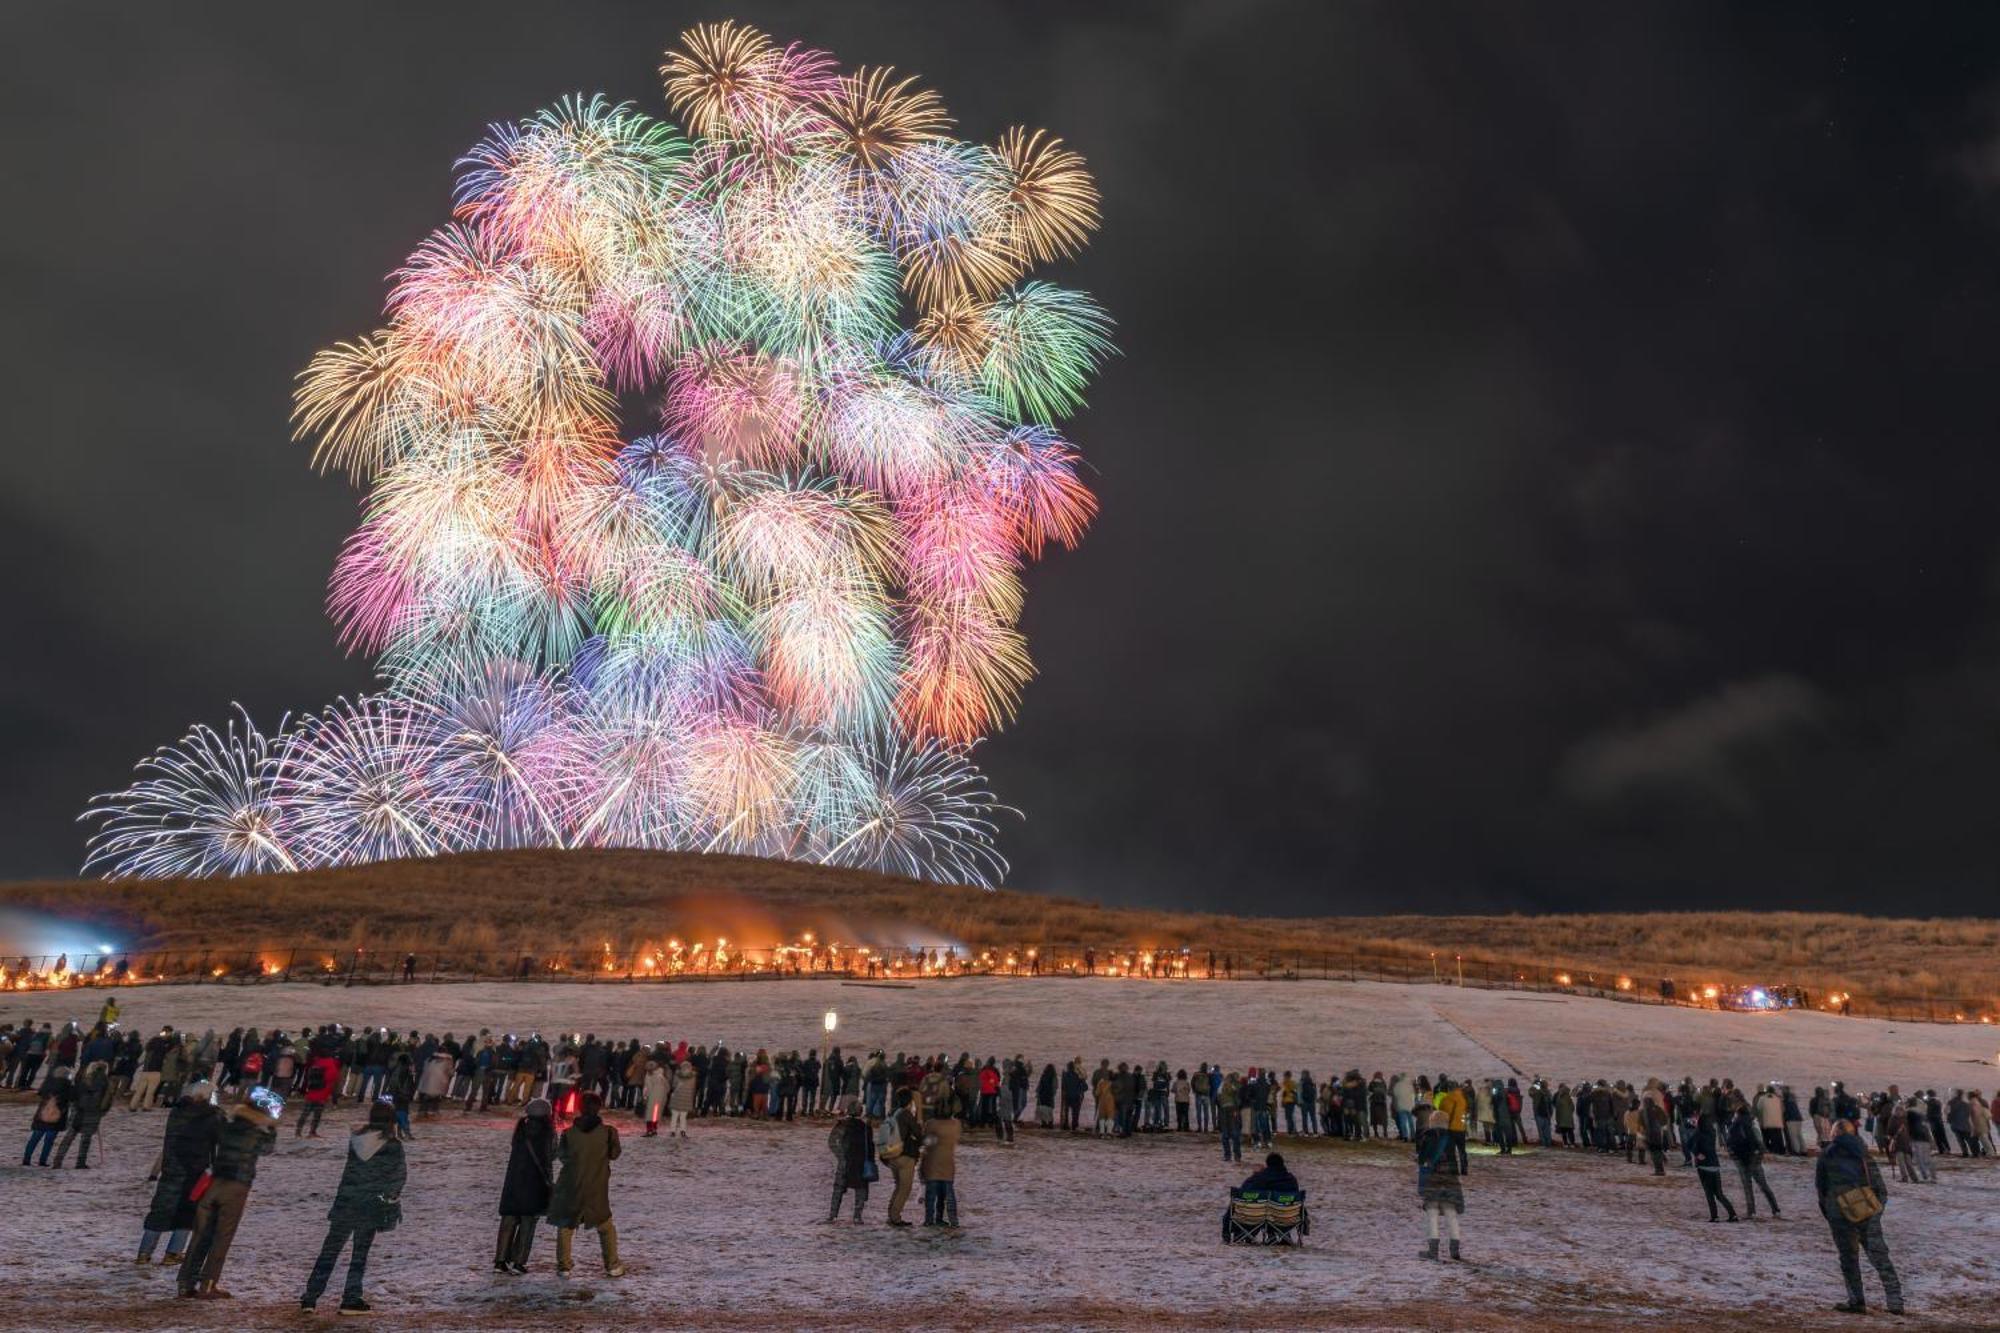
<point>721,1231</point>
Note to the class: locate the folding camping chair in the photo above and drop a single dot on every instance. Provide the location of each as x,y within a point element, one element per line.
<point>1261,1217</point>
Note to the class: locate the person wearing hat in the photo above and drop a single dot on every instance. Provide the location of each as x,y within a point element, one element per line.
<point>248,1132</point>
<point>524,1193</point>
<point>190,1141</point>
<point>367,1200</point>
<point>582,1196</point>
<point>853,1157</point>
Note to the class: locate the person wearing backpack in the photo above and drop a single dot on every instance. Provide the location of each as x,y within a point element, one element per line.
<point>1852,1196</point>
<point>322,1076</point>
<point>898,1141</point>
<point>51,1116</point>
<point>368,1200</point>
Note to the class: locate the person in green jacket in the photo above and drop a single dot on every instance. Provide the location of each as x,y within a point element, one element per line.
<point>582,1195</point>
<point>368,1200</point>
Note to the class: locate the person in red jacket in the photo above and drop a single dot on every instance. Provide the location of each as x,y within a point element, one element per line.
<point>321,1078</point>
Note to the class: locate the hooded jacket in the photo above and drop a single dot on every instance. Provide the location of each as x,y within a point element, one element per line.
<point>371,1184</point>
<point>531,1166</point>
<point>190,1141</point>
<point>1843,1165</point>
<point>582,1194</point>
<point>244,1136</point>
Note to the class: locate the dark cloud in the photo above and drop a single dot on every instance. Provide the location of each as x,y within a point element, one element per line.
<point>1550,462</point>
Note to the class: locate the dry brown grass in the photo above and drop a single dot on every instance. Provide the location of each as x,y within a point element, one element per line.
<point>546,902</point>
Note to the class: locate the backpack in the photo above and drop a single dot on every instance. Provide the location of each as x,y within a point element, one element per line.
<point>50,1111</point>
<point>316,1077</point>
<point>888,1140</point>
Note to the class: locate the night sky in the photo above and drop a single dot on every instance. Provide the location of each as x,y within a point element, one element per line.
<point>1551,464</point>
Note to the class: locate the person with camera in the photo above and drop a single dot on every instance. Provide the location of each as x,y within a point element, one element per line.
<point>1852,1196</point>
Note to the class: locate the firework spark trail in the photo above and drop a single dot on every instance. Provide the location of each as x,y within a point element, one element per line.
<point>780,623</point>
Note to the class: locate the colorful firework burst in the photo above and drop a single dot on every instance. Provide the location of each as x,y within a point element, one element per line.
<point>780,623</point>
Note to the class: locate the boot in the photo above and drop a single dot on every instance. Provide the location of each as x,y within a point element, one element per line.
<point>607,1244</point>
<point>1431,1250</point>
<point>1454,1251</point>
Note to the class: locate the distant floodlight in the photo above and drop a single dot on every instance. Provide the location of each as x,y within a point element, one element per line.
<point>832,1020</point>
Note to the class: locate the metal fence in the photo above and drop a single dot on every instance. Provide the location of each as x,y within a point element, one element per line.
<point>933,962</point>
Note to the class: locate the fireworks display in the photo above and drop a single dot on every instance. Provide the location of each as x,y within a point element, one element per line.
<point>776,625</point>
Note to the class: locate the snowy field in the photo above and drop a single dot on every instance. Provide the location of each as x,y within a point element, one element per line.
<point>1060,1232</point>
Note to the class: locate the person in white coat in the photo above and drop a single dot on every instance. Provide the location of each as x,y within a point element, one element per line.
<point>1403,1103</point>
<point>680,1099</point>
<point>654,1092</point>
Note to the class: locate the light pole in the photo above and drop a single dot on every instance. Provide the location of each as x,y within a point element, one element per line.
<point>831,1022</point>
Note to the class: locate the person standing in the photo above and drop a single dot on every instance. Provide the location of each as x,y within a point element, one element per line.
<point>524,1193</point>
<point>1440,1184</point>
<point>52,1108</point>
<point>899,1143</point>
<point>367,1200</point>
<point>1917,1131</point>
<point>1074,1086</point>
<point>853,1157</point>
<point>184,1155</point>
<point>151,1062</point>
<point>939,1166</point>
<point>654,1093</point>
<point>681,1097</point>
<point>1452,1102</point>
<point>89,1101</point>
<point>1653,1124</point>
<point>1229,1117</point>
<point>246,1134</point>
<point>1748,1135</point>
<point>1708,1168</point>
<point>322,1077</point>
<point>1852,1196</point>
<point>582,1196</point>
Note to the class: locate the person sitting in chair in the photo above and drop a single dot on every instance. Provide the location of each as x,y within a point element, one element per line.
<point>1273,1178</point>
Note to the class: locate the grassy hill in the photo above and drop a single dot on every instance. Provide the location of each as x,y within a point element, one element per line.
<point>547,902</point>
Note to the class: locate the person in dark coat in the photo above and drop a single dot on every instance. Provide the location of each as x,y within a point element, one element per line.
<point>1846,1165</point>
<point>190,1142</point>
<point>246,1134</point>
<point>1746,1146</point>
<point>1440,1191</point>
<point>524,1194</point>
<point>853,1149</point>
<point>1273,1177</point>
<point>582,1196</point>
<point>52,1107</point>
<point>368,1200</point>
<point>89,1100</point>
<point>1708,1168</point>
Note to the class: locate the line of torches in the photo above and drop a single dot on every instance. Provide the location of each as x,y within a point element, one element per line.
<point>808,953</point>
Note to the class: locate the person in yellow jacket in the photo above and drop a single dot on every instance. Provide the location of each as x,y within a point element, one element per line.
<point>1451,1102</point>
